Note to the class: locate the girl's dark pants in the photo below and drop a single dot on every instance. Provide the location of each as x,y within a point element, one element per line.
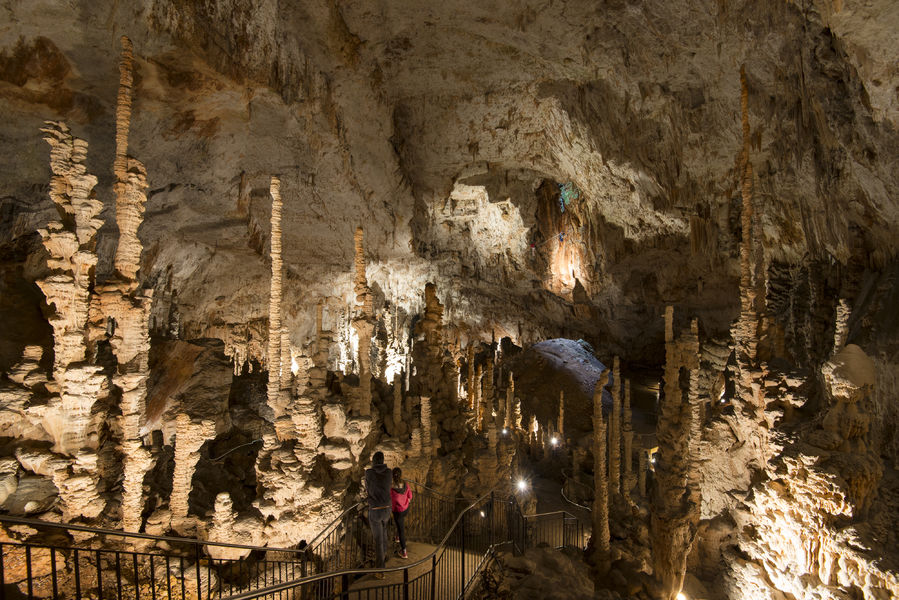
<point>399,518</point>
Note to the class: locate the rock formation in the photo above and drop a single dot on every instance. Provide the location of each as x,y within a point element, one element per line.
<point>675,503</point>
<point>363,325</point>
<point>614,431</point>
<point>601,492</point>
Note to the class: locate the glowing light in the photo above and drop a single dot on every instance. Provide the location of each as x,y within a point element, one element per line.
<point>554,441</point>
<point>721,397</point>
<point>522,485</point>
<point>482,514</point>
<point>505,431</point>
<point>294,366</point>
<point>682,596</point>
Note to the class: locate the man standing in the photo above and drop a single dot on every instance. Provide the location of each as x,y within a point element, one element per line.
<point>377,482</point>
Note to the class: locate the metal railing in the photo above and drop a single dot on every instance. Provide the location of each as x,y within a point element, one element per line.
<point>451,568</point>
<point>117,564</point>
<point>577,492</point>
<point>73,561</point>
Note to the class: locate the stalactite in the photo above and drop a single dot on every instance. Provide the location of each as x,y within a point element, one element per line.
<point>532,435</point>
<point>628,443</point>
<point>273,357</point>
<point>363,323</point>
<point>516,420</point>
<point>601,536</point>
<point>614,434</point>
<point>487,397</point>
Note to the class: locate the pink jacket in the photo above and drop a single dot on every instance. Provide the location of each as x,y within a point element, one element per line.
<point>400,500</point>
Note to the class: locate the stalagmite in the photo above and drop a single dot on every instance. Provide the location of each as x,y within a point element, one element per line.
<point>189,438</point>
<point>642,465</point>
<point>614,434</point>
<point>561,424</point>
<point>66,417</point>
<point>517,416</point>
<point>532,435</point>
<point>273,358</point>
<point>487,396</point>
<point>363,323</point>
<point>415,443</point>
<point>601,536</point>
<point>627,461</point>
<point>841,325</point>
<point>477,398</point>
<point>397,401</point>
<point>426,425</point>
<point>675,502</point>
<point>510,395</point>
<point>471,377</point>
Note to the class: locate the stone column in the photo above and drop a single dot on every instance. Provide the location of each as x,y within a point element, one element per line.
<point>601,536</point>
<point>614,434</point>
<point>189,438</point>
<point>562,414</point>
<point>510,395</point>
<point>471,377</point>
<point>363,323</point>
<point>628,443</point>
<point>273,357</point>
<point>426,425</point>
<point>477,397</point>
<point>397,401</point>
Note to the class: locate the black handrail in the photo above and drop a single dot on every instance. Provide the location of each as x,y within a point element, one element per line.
<point>520,525</point>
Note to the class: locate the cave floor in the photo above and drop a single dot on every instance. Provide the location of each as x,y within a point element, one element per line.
<point>416,552</point>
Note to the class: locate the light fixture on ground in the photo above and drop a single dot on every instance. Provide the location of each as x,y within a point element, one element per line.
<point>505,431</point>
<point>554,441</point>
<point>522,485</point>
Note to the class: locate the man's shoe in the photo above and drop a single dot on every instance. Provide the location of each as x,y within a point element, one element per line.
<point>396,539</point>
<point>402,554</point>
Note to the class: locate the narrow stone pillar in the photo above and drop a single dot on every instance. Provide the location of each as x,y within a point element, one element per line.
<point>561,424</point>
<point>628,442</point>
<point>477,397</point>
<point>397,401</point>
<point>510,395</point>
<point>189,438</point>
<point>643,465</point>
<point>426,425</point>
<point>273,358</point>
<point>614,436</point>
<point>471,377</point>
<point>517,417</point>
<point>601,536</point>
<point>415,446</point>
<point>363,323</point>
<point>841,325</point>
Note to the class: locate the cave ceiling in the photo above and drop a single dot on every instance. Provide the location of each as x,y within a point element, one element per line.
<point>443,128</point>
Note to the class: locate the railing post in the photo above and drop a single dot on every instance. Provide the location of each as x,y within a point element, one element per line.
<point>406,583</point>
<point>434,576</point>
<point>462,544</point>
<point>345,587</point>
<point>199,586</point>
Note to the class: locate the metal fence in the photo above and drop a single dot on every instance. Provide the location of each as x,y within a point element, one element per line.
<point>448,571</point>
<point>109,564</point>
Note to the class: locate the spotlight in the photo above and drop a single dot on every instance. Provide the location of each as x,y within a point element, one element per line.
<point>721,397</point>
<point>681,596</point>
<point>554,441</point>
<point>482,514</point>
<point>653,460</point>
<point>522,485</point>
<point>505,431</point>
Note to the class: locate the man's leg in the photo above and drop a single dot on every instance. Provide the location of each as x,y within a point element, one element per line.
<point>378,533</point>
<point>385,520</point>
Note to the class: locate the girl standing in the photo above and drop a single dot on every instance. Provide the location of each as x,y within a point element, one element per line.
<point>400,497</point>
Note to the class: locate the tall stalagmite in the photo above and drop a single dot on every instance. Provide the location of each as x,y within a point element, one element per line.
<point>363,323</point>
<point>675,502</point>
<point>601,536</point>
<point>614,433</point>
<point>510,397</point>
<point>627,460</point>
<point>77,385</point>
<point>119,299</point>
<point>273,357</point>
<point>561,424</point>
